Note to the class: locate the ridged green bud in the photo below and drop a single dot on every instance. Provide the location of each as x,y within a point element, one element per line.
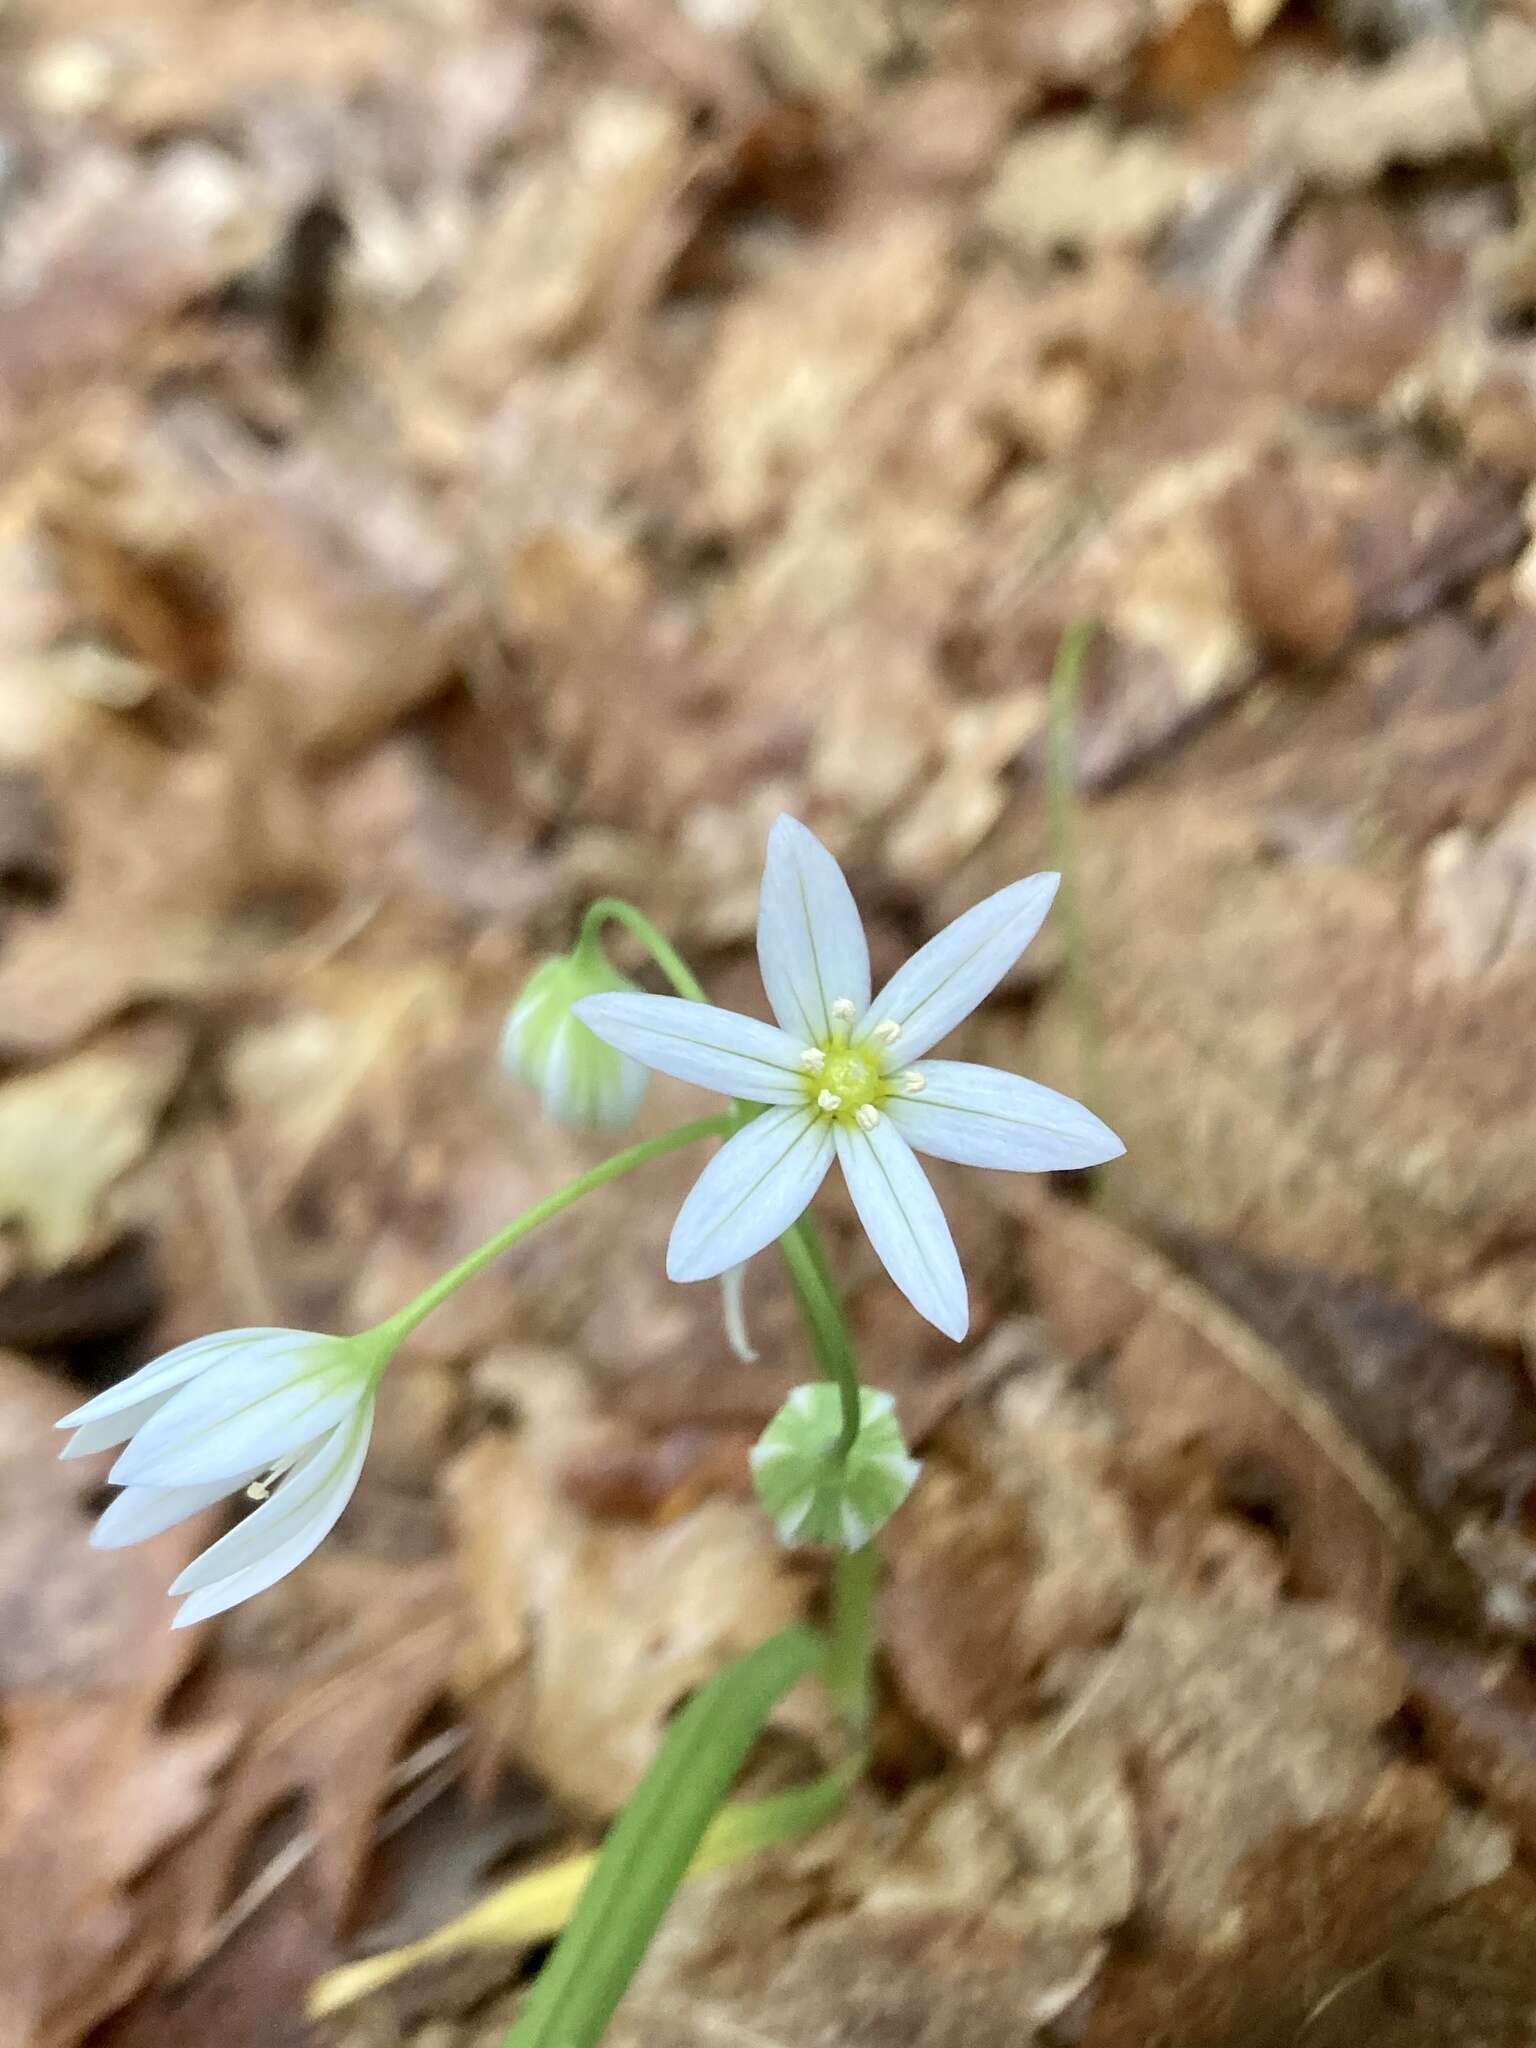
<point>812,1495</point>
<point>580,1081</point>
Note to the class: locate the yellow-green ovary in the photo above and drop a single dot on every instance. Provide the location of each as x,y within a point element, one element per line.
<point>854,1077</point>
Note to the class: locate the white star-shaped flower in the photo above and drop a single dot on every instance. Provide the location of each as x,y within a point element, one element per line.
<point>235,1412</point>
<point>843,1076</point>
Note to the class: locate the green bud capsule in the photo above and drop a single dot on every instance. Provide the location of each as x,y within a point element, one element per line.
<point>580,1081</point>
<point>813,1495</point>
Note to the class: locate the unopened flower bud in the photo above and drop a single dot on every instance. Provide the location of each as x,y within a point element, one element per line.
<point>580,1081</point>
<point>813,1495</point>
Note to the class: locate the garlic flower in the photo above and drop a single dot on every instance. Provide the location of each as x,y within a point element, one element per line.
<point>845,1077</point>
<point>235,1412</point>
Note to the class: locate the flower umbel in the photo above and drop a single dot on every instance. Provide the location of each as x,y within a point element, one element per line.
<point>843,1076</point>
<point>581,1082</point>
<point>817,1496</point>
<point>282,1414</point>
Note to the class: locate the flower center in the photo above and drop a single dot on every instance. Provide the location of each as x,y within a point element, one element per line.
<point>850,1080</point>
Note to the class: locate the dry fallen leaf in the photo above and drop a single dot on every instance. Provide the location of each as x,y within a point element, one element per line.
<point>325,1728</point>
<point>557,1597</point>
<point>1070,184</point>
<point>95,1786</point>
<point>69,1131</point>
<point>1214,1412</point>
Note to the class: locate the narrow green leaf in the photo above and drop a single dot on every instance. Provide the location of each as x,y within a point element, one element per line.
<point>651,1844</point>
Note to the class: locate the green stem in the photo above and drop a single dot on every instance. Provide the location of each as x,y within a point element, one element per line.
<point>850,1669</point>
<point>652,1843</point>
<point>825,1326</point>
<point>614,910</point>
<point>401,1324</point>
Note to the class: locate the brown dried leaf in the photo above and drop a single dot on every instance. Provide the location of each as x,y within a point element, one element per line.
<point>1451,1418</point>
<point>974,1912</point>
<point>93,1789</point>
<point>375,1645</point>
<point>1204,1839</point>
<point>350,605</point>
<point>1478,1711</point>
<point>832,52</point>
<point>1477,913</point>
<point>1070,184</point>
<point>171,854</point>
<point>1344,124</point>
<point>567,232</point>
<point>107,248</point>
<point>70,1131</point>
<point>1289,561</point>
<point>1214,1413</point>
<point>1278,1078</point>
<point>843,315</point>
<point>1016,1547</point>
<point>559,1598</point>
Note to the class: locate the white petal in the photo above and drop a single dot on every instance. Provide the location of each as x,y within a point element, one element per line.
<point>143,1511</point>
<point>521,1030</point>
<point>810,937</point>
<point>253,1411</point>
<point>750,1192</point>
<point>556,1080</point>
<point>905,1223</point>
<point>282,1533</point>
<point>980,1116</point>
<point>163,1375</point>
<point>959,967</point>
<point>696,1042</point>
<point>105,1431</point>
<point>618,1093</point>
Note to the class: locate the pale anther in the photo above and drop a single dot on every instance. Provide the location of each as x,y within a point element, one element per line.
<point>813,1059</point>
<point>260,1489</point>
<point>844,1010</point>
<point>828,1101</point>
<point>912,1082</point>
<point>887,1032</point>
<point>866,1116</point>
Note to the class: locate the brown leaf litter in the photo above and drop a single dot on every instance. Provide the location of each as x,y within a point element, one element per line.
<point>461,464</point>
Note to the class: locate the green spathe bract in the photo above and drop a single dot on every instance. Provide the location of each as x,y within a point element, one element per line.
<point>816,1494</point>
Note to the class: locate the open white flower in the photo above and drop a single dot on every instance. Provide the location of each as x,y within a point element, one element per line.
<point>229,1413</point>
<point>843,1076</point>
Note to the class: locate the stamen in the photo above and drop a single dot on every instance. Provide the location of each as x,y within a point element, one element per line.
<point>844,1010</point>
<point>829,1102</point>
<point>887,1031</point>
<point>260,1489</point>
<point>813,1059</point>
<point>912,1082</point>
<point>866,1116</point>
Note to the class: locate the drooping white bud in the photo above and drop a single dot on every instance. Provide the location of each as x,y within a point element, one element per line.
<point>581,1082</point>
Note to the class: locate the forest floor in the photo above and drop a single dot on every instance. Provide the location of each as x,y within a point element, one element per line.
<point>459,459</point>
